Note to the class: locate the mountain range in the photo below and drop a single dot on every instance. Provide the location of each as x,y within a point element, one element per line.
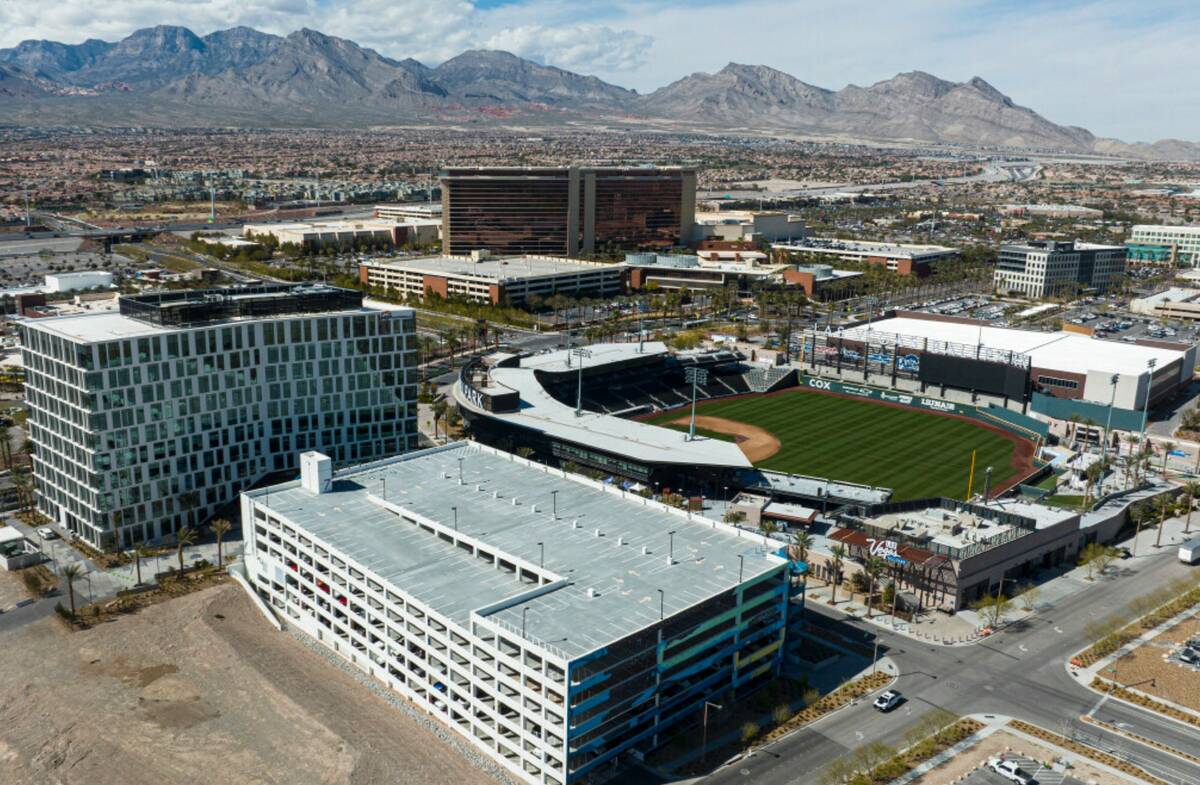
<point>169,76</point>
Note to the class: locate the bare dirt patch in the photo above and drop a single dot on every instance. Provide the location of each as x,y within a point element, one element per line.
<point>200,690</point>
<point>1001,742</point>
<point>12,589</point>
<point>1145,668</point>
<point>755,443</point>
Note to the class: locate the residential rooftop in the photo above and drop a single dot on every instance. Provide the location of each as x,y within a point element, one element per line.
<point>601,560</point>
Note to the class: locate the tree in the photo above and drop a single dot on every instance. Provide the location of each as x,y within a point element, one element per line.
<point>838,552</point>
<point>749,732</point>
<point>72,573</point>
<point>439,411</point>
<point>992,607</point>
<point>140,551</point>
<point>1093,474</point>
<point>183,538</point>
<point>1166,450</point>
<point>872,567</point>
<point>767,527</point>
<point>1029,596</point>
<point>802,540</point>
<point>1165,505</point>
<point>524,452</point>
<point>220,528</point>
<point>1190,488</point>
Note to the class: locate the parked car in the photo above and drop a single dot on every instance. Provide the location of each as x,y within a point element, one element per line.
<point>888,701</point>
<point>1009,770</point>
<point>1189,656</point>
<point>46,533</point>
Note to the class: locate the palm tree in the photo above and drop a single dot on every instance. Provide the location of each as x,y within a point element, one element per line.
<point>802,541</point>
<point>1132,441</point>
<point>1190,488</point>
<point>1164,510</point>
<point>72,573</point>
<point>140,551</point>
<point>838,552</point>
<point>872,566</point>
<point>220,528</point>
<point>1073,428</point>
<point>1166,448</point>
<point>183,538</point>
<point>767,527</point>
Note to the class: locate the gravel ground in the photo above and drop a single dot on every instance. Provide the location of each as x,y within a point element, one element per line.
<point>201,690</point>
<point>12,589</point>
<point>1146,669</point>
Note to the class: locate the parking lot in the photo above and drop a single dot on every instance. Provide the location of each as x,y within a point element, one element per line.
<point>1031,767</point>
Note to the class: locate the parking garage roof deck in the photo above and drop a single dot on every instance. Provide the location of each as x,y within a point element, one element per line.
<point>497,269</point>
<point>505,506</point>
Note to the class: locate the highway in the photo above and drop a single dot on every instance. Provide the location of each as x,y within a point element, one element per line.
<point>1019,672</point>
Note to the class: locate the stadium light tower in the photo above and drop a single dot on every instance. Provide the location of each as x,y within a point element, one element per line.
<point>580,353</point>
<point>1116,377</point>
<point>1153,361</point>
<point>696,376</point>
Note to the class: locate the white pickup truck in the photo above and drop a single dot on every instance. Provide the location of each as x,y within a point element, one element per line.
<point>1189,552</point>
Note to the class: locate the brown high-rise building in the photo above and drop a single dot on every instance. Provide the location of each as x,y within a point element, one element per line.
<point>561,211</point>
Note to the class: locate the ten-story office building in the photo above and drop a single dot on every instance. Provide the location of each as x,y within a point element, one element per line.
<point>151,418</point>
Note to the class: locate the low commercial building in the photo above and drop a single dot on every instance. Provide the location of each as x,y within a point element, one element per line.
<point>1174,303</point>
<point>748,225</point>
<point>498,280</point>
<point>1052,210</point>
<point>150,418</point>
<point>409,211</point>
<point>945,554</point>
<point>316,234</point>
<point>900,258</point>
<point>70,282</point>
<point>1175,246</point>
<point>687,271</point>
<point>1043,268</point>
<point>556,623</point>
<point>819,279</point>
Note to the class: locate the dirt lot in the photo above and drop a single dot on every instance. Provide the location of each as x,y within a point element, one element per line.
<point>200,690</point>
<point>1144,668</point>
<point>1003,741</point>
<point>755,443</point>
<point>12,589</point>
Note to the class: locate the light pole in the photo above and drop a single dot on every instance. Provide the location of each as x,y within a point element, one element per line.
<point>523,612</point>
<point>554,503</point>
<point>460,476</point>
<point>541,554</point>
<point>671,547</point>
<point>704,744</point>
<point>455,511</point>
<point>580,353</point>
<point>695,376</point>
<point>1146,407</point>
<point>662,604</point>
<point>741,567</point>
<point>1116,377</point>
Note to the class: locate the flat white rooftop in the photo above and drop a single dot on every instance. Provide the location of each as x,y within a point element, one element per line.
<point>1060,350</point>
<point>540,411</point>
<point>865,248</point>
<point>506,506</point>
<point>496,268</point>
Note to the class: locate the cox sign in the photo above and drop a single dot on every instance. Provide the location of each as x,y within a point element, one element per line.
<point>820,384</point>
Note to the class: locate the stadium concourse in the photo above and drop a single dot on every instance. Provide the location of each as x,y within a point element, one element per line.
<point>623,411</point>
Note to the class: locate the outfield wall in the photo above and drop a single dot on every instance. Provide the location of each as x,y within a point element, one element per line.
<point>1005,419</point>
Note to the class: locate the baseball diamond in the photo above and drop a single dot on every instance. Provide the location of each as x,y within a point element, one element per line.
<point>916,453</point>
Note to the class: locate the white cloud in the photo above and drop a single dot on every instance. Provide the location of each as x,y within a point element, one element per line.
<point>587,48</point>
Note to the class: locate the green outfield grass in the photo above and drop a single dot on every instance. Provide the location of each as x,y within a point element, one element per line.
<point>912,452</point>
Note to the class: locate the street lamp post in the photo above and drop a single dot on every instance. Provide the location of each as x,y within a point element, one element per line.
<point>695,376</point>
<point>523,612</point>
<point>554,503</point>
<point>455,511</point>
<point>662,604</point>
<point>581,353</point>
<point>671,547</point>
<point>704,743</point>
<point>541,554</point>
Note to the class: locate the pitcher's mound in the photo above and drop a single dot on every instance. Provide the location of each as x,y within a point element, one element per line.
<point>755,443</point>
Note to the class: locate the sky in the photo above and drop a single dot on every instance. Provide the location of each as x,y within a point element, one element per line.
<point>1118,68</point>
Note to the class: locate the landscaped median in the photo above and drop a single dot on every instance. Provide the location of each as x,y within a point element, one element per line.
<point>1088,752</point>
<point>1141,739</point>
<point>1145,701</point>
<point>1148,612</point>
<point>877,763</point>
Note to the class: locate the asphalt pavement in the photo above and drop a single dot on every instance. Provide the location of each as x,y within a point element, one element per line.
<point>1019,672</point>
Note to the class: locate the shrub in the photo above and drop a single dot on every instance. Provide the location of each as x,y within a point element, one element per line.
<point>782,713</point>
<point>749,731</point>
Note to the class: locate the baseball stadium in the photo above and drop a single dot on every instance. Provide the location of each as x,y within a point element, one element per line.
<point>625,410</point>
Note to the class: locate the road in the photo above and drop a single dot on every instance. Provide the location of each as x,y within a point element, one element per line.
<point>1019,672</point>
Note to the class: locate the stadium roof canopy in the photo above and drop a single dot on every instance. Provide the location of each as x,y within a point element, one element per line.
<point>640,441</point>
<point>1060,351</point>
